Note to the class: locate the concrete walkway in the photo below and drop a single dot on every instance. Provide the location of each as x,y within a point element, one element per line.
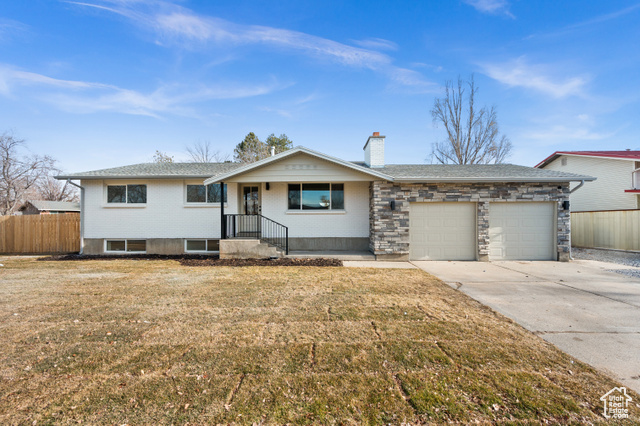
<point>588,312</point>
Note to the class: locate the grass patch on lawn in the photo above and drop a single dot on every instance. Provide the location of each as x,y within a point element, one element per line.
<point>153,341</point>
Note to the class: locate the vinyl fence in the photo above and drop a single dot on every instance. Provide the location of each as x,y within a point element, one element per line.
<point>36,234</point>
<point>616,229</point>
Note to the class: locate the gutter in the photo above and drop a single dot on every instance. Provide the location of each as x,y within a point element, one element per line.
<point>81,214</point>
<point>577,187</point>
<point>493,179</point>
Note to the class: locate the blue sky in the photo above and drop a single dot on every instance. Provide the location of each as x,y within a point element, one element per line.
<point>103,83</point>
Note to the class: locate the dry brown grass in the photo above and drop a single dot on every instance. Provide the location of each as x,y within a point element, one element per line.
<point>140,342</point>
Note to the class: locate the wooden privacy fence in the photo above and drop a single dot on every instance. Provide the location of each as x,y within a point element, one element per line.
<point>36,234</point>
<point>615,229</point>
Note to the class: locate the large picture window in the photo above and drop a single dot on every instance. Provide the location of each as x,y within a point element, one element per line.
<point>205,194</point>
<point>316,196</point>
<point>132,194</point>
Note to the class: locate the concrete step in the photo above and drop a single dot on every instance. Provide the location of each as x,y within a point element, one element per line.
<point>248,249</point>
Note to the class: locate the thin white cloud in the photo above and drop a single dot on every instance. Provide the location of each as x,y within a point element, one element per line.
<point>176,25</point>
<point>10,28</point>
<point>410,81</point>
<point>173,23</point>
<point>88,97</point>
<point>568,133</point>
<point>376,44</point>
<point>492,7</point>
<point>590,22</point>
<point>519,73</point>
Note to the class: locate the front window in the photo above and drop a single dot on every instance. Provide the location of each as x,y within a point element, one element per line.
<point>316,196</point>
<point>131,194</point>
<point>205,194</point>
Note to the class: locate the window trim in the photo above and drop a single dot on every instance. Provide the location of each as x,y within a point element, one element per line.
<point>205,203</point>
<point>330,210</point>
<point>206,240</point>
<point>126,243</point>
<point>126,195</point>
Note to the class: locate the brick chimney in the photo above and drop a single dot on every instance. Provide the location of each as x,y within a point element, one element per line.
<point>374,151</point>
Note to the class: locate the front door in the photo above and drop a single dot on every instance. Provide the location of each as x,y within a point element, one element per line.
<point>249,225</point>
<point>250,199</point>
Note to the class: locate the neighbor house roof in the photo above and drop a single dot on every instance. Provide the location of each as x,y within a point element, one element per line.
<point>217,172</point>
<point>156,171</point>
<point>60,206</point>
<point>616,155</point>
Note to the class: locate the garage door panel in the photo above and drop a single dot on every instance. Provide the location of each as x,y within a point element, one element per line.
<point>442,231</point>
<point>522,231</point>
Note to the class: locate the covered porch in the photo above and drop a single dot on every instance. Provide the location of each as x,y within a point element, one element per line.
<point>299,203</point>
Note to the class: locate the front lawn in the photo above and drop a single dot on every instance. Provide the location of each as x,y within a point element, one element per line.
<point>152,341</point>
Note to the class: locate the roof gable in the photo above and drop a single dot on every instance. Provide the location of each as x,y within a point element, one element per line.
<point>299,163</point>
<point>612,155</point>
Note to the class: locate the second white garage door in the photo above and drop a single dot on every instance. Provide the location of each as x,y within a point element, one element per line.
<point>522,231</point>
<point>442,231</point>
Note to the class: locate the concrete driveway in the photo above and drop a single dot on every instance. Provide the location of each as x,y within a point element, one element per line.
<point>588,312</point>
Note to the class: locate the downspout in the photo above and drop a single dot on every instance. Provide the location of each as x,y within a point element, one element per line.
<point>81,214</point>
<point>577,187</point>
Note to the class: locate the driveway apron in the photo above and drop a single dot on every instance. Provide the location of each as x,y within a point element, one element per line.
<point>585,310</point>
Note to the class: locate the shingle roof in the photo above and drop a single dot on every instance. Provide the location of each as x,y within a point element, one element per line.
<point>156,171</point>
<point>475,173</point>
<point>616,155</point>
<point>64,206</point>
<point>397,172</point>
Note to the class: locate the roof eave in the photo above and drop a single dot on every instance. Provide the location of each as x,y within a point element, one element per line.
<point>130,177</point>
<point>493,179</point>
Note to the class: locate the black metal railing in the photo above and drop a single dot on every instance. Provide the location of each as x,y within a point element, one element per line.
<point>258,227</point>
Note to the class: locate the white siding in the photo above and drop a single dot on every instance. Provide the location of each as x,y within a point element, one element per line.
<point>166,215</point>
<point>607,192</point>
<point>301,168</point>
<point>354,222</point>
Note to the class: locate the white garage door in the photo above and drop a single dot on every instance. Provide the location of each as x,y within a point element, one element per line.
<point>522,231</point>
<point>442,231</point>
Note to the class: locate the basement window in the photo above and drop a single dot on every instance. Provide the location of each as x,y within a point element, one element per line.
<point>316,196</point>
<point>126,246</point>
<point>202,245</point>
<point>127,194</point>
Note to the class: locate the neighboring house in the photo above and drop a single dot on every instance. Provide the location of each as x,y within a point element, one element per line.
<point>49,207</point>
<point>431,212</point>
<point>618,178</point>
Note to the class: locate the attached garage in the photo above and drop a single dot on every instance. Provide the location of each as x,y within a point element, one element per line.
<point>522,231</point>
<point>442,231</point>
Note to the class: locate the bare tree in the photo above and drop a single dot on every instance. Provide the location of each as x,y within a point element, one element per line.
<point>202,152</point>
<point>20,172</point>
<point>161,157</point>
<point>51,189</point>
<point>473,136</point>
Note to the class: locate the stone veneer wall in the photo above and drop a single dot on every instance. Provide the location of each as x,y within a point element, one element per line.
<point>389,230</point>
